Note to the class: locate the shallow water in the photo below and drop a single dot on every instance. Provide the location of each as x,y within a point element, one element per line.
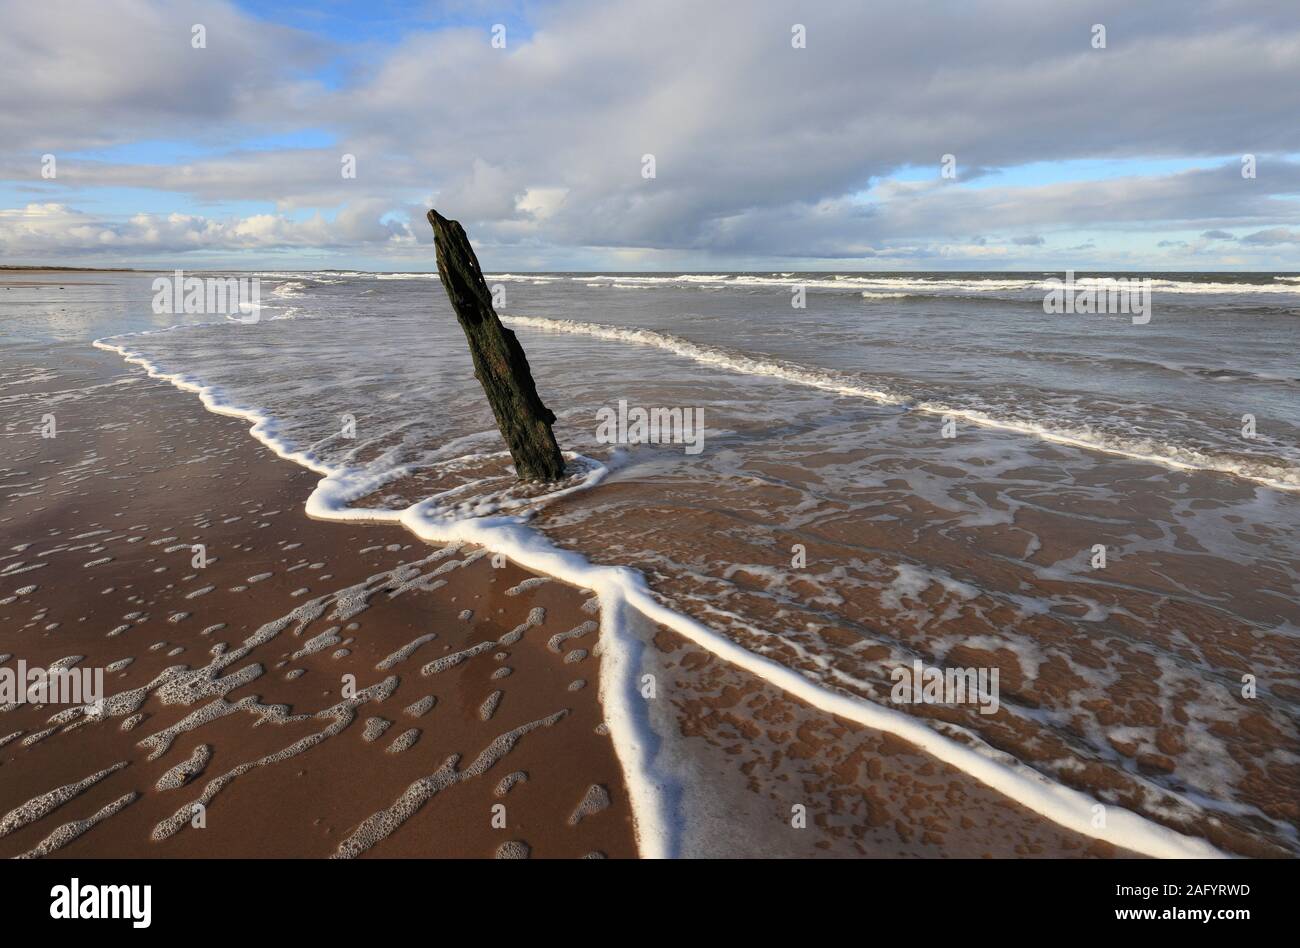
<point>827,522</point>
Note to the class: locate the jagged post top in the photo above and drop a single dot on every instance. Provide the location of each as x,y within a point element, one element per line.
<point>458,266</point>
<point>499,361</point>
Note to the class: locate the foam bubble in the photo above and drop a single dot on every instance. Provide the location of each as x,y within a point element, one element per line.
<point>405,652</point>
<point>489,706</point>
<point>186,770</point>
<point>508,781</point>
<point>404,741</point>
<point>595,800</point>
<point>420,708</point>
<point>39,806</point>
<point>70,831</point>
<point>513,849</point>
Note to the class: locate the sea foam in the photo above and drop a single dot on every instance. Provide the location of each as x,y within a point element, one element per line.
<point>621,589</point>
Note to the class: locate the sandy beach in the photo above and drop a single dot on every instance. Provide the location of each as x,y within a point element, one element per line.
<point>106,574</point>
<point>476,686</point>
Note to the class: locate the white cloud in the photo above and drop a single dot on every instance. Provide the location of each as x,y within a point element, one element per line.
<point>762,151</point>
<point>101,72</point>
<point>57,229</point>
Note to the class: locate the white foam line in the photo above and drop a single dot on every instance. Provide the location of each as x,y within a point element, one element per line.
<point>620,588</point>
<point>261,425</point>
<point>839,385</point>
<point>1060,804</point>
<point>947,285</point>
<point>709,355</point>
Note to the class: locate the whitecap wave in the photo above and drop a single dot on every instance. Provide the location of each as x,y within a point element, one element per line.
<point>1272,472</point>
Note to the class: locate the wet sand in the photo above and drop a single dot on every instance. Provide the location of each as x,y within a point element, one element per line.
<point>111,508</point>
<point>1136,710</point>
<point>237,692</point>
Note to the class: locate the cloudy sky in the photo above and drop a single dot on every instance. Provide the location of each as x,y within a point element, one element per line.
<point>767,155</point>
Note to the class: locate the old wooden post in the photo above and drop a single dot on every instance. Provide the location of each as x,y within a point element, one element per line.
<point>499,361</point>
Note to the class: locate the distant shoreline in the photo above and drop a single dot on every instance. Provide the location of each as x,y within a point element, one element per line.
<point>42,269</point>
